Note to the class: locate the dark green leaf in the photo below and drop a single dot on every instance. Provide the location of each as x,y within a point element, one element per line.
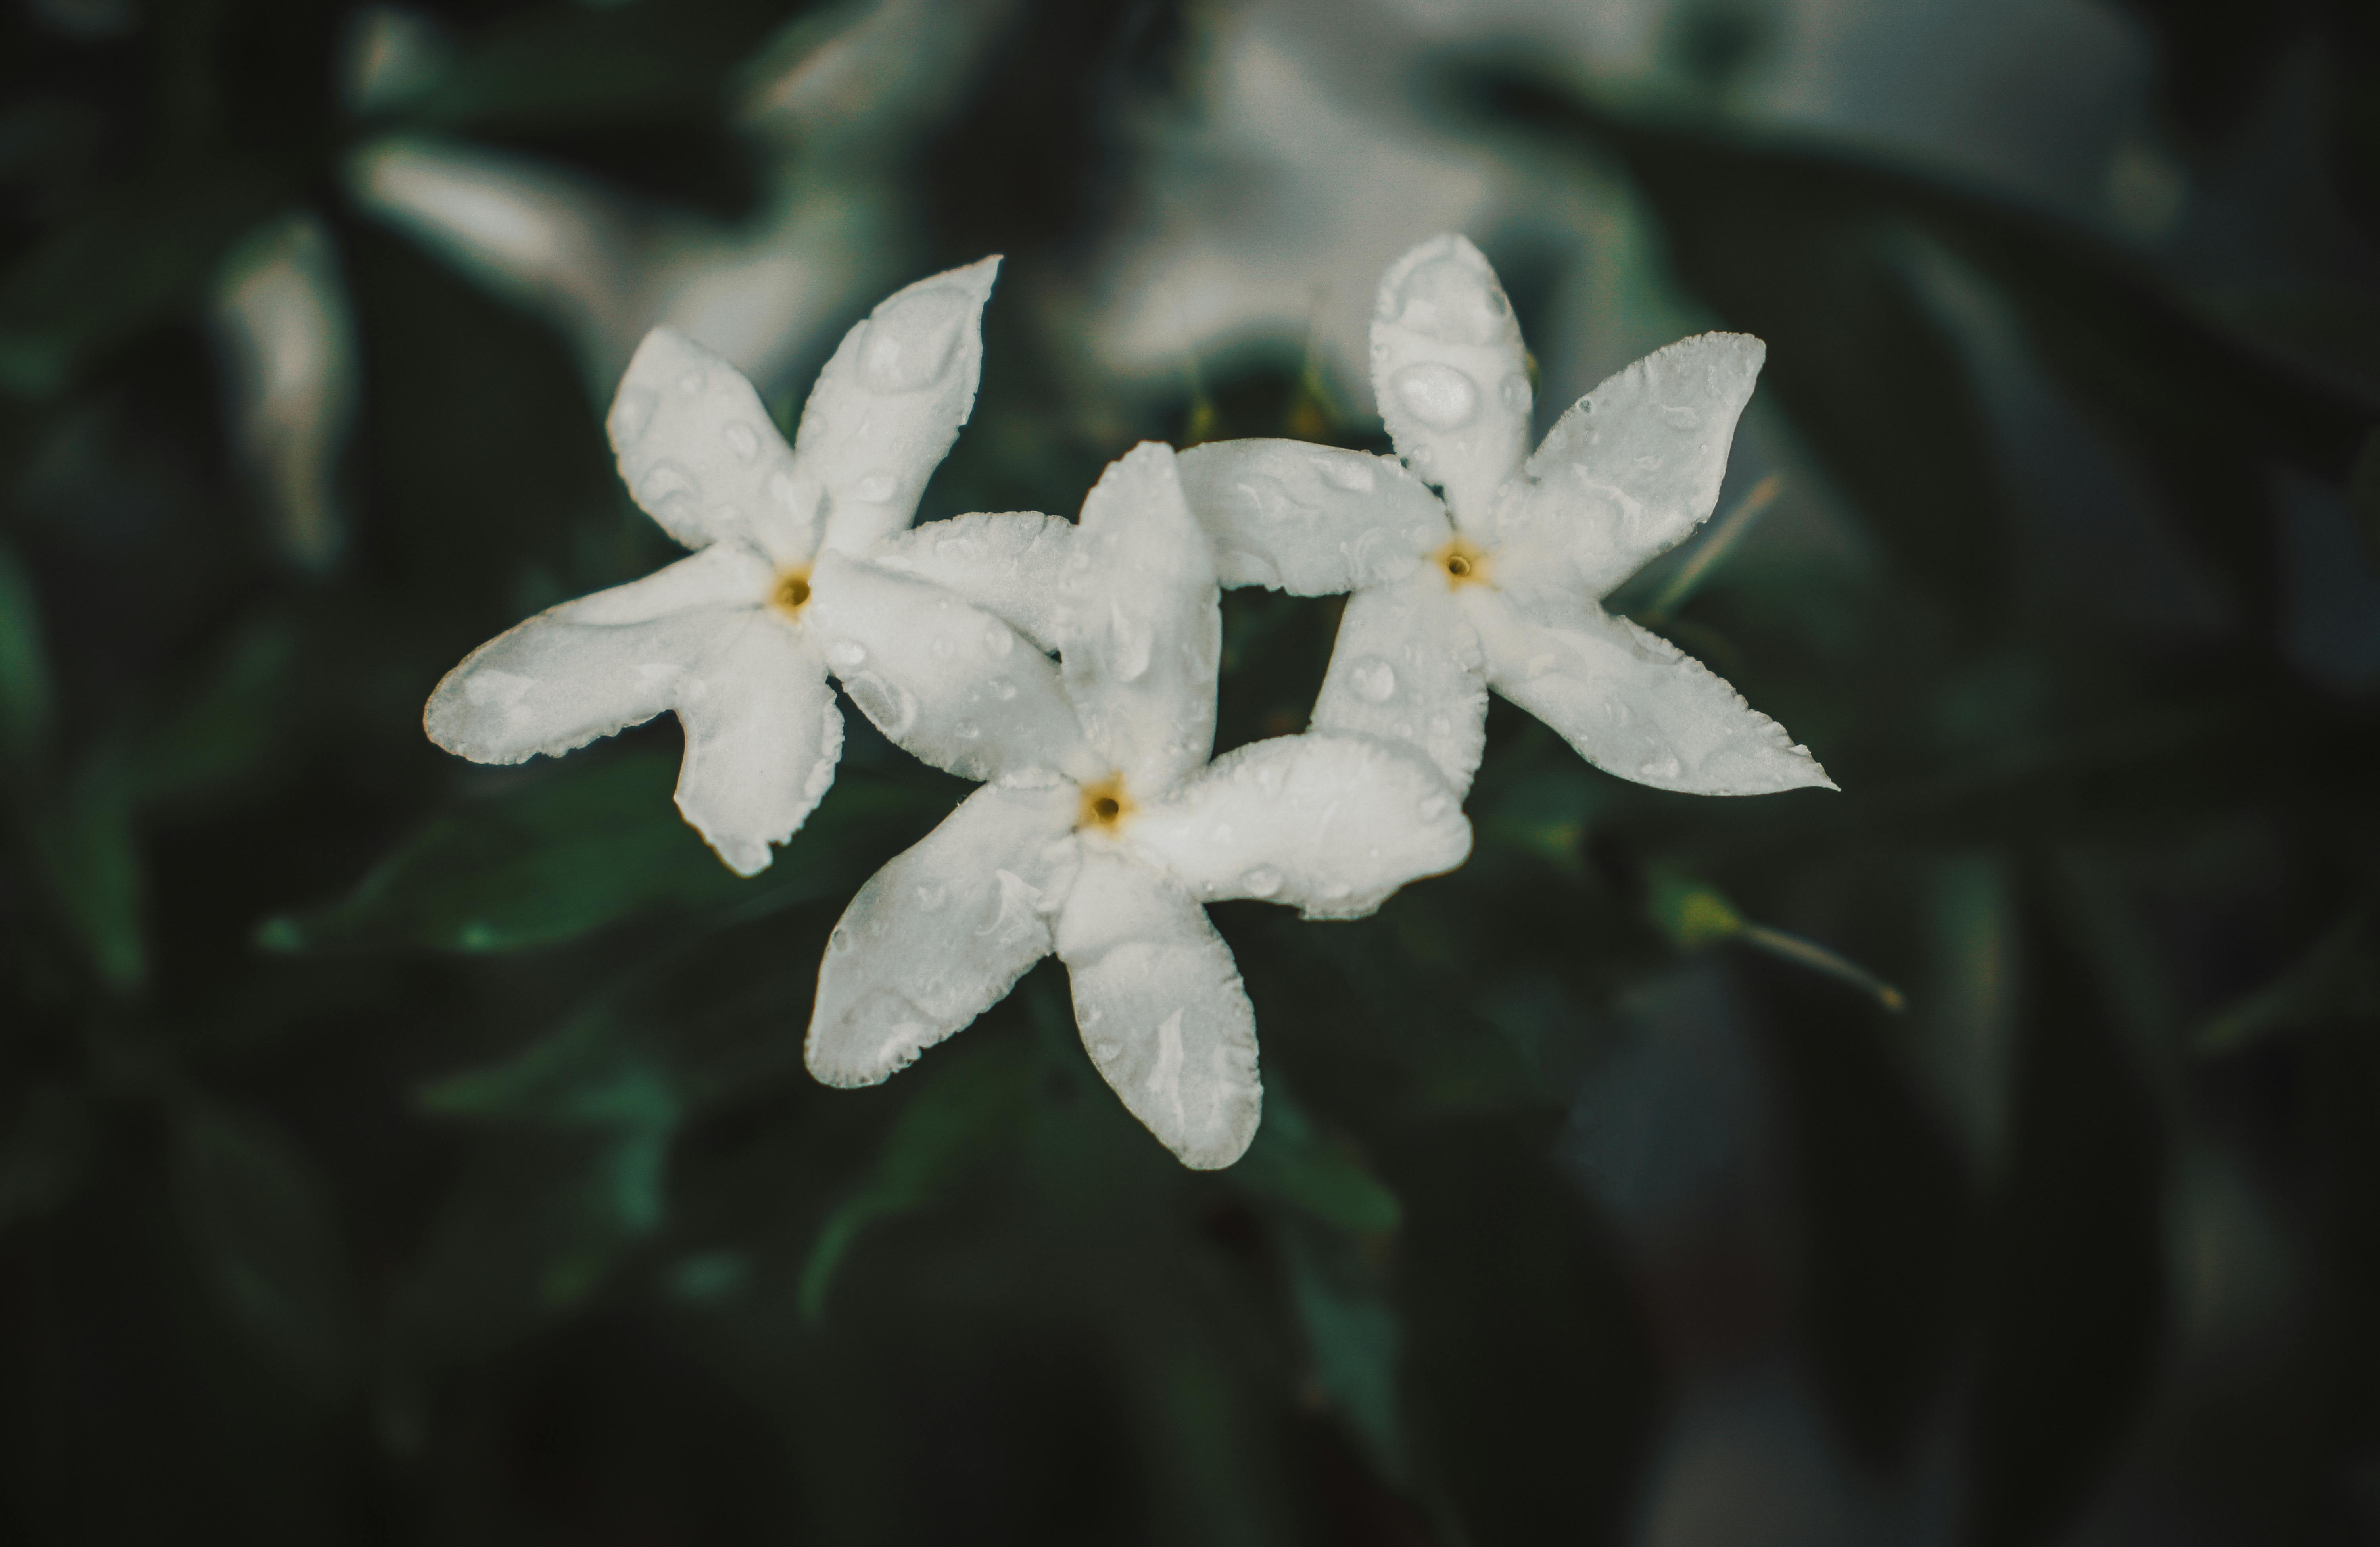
<point>258,1218</point>
<point>2363,489</point>
<point>24,666</point>
<point>590,842</point>
<point>90,855</point>
<point>2338,976</point>
<point>1352,1338</point>
<point>968,1104</point>
<point>229,723</point>
<point>1292,1162</point>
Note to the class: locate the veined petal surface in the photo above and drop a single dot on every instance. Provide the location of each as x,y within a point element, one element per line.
<point>1407,668</point>
<point>890,403</point>
<point>939,934</point>
<point>1162,1009</point>
<point>1450,375</point>
<point>1008,563</point>
<point>763,736</point>
<point>701,456</point>
<point>947,682</point>
<point>1633,704</point>
<point>1632,468</point>
<point>594,666</point>
<point>1312,520</point>
<point>1330,824</point>
<point>1140,624</point>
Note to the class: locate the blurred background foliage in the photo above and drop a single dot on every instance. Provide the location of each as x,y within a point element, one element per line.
<point>394,1150</point>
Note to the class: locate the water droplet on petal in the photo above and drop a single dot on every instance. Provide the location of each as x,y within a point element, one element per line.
<point>892,710</point>
<point>1451,299</point>
<point>839,943</point>
<point>1515,390</point>
<point>1348,473</point>
<point>1261,881</point>
<point>1540,665</point>
<point>743,442</point>
<point>876,488</point>
<point>1335,891</point>
<point>932,897</point>
<point>910,339</point>
<point>1680,418</point>
<point>1438,396</point>
<point>632,414</point>
<point>1374,680</point>
<point>1002,690</point>
<point>997,642</point>
<point>944,647</point>
<point>845,654</point>
<point>967,730</point>
<point>1431,806</point>
<point>691,382</point>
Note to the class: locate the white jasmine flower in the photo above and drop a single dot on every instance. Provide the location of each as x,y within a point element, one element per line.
<point>1103,826</point>
<point>1498,585</point>
<point>726,638</point>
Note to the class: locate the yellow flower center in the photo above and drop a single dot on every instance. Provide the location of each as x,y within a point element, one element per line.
<point>1464,564</point>
<point>793,592</point>
<point>1105,805</point>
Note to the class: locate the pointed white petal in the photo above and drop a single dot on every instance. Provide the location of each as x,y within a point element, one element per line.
<point>1407,668</point>
<point>1629,470</point>
<point>947,682</point>
<point>890,403</point>
<point>1633,704</point>
<point>1009,564</point>
<point>1158,1001</point>
<point>1450,375</point>
<point>1312,520</point>
<point>762,736</point>
<point>1330,824</point>
<point>939,935</point>
<point>590,667</point>
<point>701,456</point>
<point>1140,624</point>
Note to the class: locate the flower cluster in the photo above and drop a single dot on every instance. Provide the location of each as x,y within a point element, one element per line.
<point>1070,666</point>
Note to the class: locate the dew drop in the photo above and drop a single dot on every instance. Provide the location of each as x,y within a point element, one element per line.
<point>632,414</point>
<point>1348,473</point>
<point>839,943</point>
<point>1439,396</point>
<point>1452,300</point>
<point>997,642</point>
<point>893,711</point>
<point>1335,891</point>
<point>1515,390</point>
<point>845,654</point>
<point>1261,881</point>
<point>967,730</point>
<point>944,648</point>
<point>691,383</point>
<point>1681,418</point>
<point>1374,680</point>
<point>911,338</point>
<point>932,897</point>
<point>1431,807</point>
<point>1540,665</point>
<point>876,488</point>
<point>1002,690</point>
<point>743,442</point>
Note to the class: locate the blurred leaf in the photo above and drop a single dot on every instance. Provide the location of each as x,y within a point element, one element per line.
<point>1689,913</point>
<point>258,1218</point>
<point>969,1104</point>
<point>131,260</point>
<point>2338,976</point>
<point>90,855</point>
<point>24,666</point>
<point>229,723</point>
<point>1292,1162</point>
<point>1354,1340</point>
<point>595,841</point>
<point>48,1140</point>
<point>2363,489</point>
<point>1531,1388</point>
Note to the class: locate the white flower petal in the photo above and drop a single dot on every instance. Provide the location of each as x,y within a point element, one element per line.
<point>939,934</point>
<point>1158,1001</point>
<point>890,403</point>
<point>1630,469</point>
<point>762,736</point>
<point>1407,668</point>
<point>947,682</point>
<point>1633,704</point>
<point>590,667</point>
<point>1009,564</point>
<point>1450,375</point>
<point>1312,520</point>
<point>701,456</point>
<point>1330,824</point>
<point>1140,624</point>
